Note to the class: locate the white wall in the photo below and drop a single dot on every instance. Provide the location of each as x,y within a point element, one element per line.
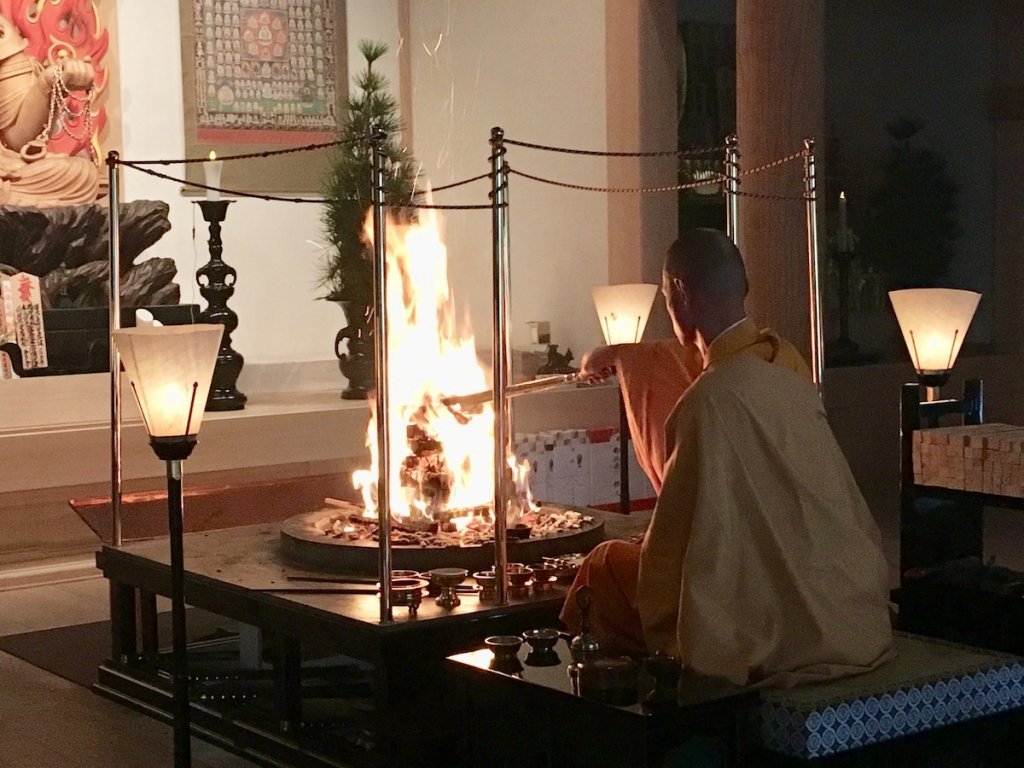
<point>272,245</point>
<point>537,69</point>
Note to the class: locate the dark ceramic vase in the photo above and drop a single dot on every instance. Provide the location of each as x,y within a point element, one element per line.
<point>356,363</point>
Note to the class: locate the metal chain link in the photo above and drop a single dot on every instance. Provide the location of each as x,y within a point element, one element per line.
<point>245,156</point>
<point>773,164</point>
<point>670,188</point>
<point>766,196</point>
<point>602,153</point>
<point>452,185</point>
<point>478,207</point>
<point>233,192</point>
<point>277,198</point>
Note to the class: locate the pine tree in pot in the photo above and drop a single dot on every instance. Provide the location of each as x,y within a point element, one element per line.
<point>347,270</point>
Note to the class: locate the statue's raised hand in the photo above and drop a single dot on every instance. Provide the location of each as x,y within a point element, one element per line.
<point>78,74</point>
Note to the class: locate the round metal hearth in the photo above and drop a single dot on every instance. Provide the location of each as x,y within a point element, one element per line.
<point>303,543</point>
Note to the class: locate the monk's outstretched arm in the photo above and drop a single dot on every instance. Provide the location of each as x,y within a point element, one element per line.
<point>652,377</point>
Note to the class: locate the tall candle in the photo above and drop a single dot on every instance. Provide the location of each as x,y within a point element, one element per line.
<point>842,214</point>
<point>211,174</point>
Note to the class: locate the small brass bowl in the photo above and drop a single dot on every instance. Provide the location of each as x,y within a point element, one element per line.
<point>407,592</point>
<point>542,640</point>
<point>519,576</point>
<point>565,570</point>
<point>504,647</point>
<point>488,586</point>
<point>543,577</point>
<point>447,579</point>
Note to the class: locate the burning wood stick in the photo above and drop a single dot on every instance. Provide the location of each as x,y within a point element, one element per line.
<point>476,399</point>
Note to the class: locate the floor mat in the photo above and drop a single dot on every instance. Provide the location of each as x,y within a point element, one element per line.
<point>75,652</point>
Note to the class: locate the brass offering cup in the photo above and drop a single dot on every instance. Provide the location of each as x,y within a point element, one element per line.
<point>565,569</point>
<point>519,579</point>
<point>543,577</point>
<point>505,649</point>
<point>488,586</point>
<point>447,579</point>
<point>542,647</point>
<point>408,592</point>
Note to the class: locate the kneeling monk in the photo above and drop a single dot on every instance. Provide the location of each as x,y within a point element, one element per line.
<point>762,563</point>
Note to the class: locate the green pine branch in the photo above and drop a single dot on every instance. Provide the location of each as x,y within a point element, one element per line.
<point>346,273</point>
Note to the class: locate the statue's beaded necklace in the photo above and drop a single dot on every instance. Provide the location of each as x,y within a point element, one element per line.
<point>61,113</point>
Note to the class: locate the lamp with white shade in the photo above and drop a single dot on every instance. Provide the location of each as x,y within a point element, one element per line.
<point>934,322</point>
<point>623,311</point>
<point>169,369</point>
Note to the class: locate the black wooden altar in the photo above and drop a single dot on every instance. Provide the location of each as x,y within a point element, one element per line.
<point>299,713</point>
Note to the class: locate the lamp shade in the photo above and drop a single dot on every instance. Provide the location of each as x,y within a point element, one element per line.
<point>934,322</point>
<point>170,368</point>
<point>623,310</point>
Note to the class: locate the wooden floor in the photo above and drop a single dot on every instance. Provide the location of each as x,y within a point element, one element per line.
<point>46,721</point>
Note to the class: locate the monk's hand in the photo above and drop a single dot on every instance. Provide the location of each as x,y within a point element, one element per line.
<point>597,365</point>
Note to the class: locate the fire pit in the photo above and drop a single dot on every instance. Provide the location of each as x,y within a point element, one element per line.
<point>440,486</point>
<point>320,540</point>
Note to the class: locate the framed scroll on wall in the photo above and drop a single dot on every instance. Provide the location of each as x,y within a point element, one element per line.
<point>261,75</point>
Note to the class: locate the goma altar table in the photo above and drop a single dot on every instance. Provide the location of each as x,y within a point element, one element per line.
<point>230,573</point>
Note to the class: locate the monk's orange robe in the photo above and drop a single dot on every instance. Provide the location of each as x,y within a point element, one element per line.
<point>715,634</point>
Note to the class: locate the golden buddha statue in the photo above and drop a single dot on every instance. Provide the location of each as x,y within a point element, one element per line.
<point>32,101</point>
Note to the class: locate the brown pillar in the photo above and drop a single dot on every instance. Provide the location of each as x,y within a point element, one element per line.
<point>779,101</point>
<point>641,68</point>
<point>1006,108</point>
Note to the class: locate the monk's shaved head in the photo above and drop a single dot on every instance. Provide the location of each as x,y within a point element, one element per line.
<point>709,264</point>
<point>704,283</point>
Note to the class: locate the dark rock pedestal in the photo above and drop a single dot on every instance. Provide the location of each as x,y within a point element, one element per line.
<point>67,248</point>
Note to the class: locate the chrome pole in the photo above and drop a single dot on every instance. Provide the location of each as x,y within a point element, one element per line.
<point>380,360</point>
<point>732,187</point>
<point>114,305</point>
<point>813,272</point>
<point>500,366</point>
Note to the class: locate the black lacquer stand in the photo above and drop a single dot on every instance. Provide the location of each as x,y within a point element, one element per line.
<point>217,284</point>
<point>844,350</point>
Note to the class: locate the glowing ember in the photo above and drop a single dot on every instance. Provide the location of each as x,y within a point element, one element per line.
<point>441,462</point>
<point>468,530</point>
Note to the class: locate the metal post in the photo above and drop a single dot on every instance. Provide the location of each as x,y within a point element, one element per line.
<point>732,187</point>
<point>114,304</point>
<point>179,673</point>
<point>813,279</point>
<point>624,500</point>
<point>500,366</point>
<point>380,359</point>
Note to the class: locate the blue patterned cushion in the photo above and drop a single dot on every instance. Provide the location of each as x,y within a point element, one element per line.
<point>929,684</point>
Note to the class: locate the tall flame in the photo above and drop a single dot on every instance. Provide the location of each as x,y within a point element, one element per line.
<point>431,355</point>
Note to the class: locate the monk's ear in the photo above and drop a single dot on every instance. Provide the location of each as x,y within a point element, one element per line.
<point>679,287</point>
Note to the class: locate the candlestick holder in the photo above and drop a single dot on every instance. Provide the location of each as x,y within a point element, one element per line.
<point>843,350</point>
<point>217,284</point>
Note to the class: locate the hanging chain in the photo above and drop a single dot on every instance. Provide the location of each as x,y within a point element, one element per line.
<point>61,113</point>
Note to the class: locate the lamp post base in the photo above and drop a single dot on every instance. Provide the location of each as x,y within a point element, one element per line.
<point>179,675</point>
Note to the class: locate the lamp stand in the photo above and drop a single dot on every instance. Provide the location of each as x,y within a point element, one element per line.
<point>179,668</point>
<point>624,501</point>
<point>217,284</point>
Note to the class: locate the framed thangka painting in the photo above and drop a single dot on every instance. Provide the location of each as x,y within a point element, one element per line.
<point>261,75</point>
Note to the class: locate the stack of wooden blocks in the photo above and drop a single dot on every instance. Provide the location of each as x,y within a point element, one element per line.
<point>985,458</point>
